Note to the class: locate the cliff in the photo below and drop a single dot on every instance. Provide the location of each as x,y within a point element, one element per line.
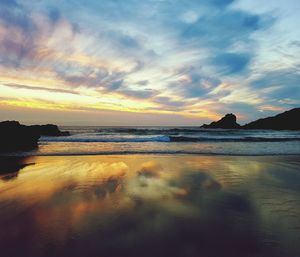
<point>289,120</point>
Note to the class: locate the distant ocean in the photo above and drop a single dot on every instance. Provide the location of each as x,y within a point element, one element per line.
<point>168,140</point>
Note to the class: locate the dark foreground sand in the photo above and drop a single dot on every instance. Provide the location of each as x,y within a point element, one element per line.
<point>136,205</point>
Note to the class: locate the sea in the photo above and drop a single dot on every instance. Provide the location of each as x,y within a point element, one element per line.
<point>86,140</point>
<point>153,191</point>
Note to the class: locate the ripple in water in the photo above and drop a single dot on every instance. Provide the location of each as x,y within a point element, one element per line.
<point>137,205</point>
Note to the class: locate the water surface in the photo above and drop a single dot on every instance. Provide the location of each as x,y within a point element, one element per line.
<point>167,140</point>
<point>150,205</point>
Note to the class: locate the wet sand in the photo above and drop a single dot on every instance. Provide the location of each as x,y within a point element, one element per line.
<point>150,205</point>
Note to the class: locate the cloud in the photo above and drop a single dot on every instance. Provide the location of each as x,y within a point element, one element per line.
<point>222,30</point>
<point>279,87</point>
<point>193,83</point>
<point>26,36</point>
<point>104,78</point>
<point>169,104</point>
<point>143,82</point>
<point>115,85</point>
<point>17,34</point>
<point>9,3</point>
<point>54,14</point>
<point>138,94</point>
<point>231,63</point>
<point>55,90</point>
<point>222,3</point>
<point>172,56</point>
<point>122,39</point>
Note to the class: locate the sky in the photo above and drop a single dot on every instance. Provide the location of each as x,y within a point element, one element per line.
<point>150,62</point>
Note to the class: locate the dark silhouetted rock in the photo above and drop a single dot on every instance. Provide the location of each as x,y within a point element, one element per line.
<point>49,130</point>
<point>289,120</point>
<point>17,137</point>
<point>227,122</point>
<point>14,136</point>
<point>11,165</point>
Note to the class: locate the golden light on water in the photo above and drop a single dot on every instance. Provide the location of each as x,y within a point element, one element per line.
<point>131,197</point>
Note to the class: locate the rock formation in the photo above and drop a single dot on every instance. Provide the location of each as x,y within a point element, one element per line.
<point>49,130</point>
<point>227,122</point>
<point>14,136</point>
<point>17,137</point>
<point>289,120</point>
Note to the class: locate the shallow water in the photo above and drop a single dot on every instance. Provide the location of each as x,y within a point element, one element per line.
<point>138,205</point>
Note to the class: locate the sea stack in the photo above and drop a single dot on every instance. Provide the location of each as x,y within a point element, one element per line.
<point>14,136</point>
<point>227,122</point>
<point>17,137</point>
<point>49,130</point>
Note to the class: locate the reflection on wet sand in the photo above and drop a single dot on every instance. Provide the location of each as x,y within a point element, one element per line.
<point>10,166</point>
<point>151,206</point>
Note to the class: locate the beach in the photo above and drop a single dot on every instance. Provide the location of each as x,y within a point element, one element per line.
<point>150,205</point>
<point>151,128</point>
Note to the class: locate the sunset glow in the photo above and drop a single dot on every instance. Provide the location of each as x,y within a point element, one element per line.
<point>147,62</point>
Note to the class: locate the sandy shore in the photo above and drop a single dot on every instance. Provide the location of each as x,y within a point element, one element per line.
<point>155,205</point>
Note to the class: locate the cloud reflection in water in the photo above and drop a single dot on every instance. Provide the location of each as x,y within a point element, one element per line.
<point>145,206</point>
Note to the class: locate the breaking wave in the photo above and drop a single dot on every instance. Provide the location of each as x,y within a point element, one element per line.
<point>165,138</point>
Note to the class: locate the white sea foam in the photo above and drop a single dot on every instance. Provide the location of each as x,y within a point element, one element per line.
<point>106,139</point>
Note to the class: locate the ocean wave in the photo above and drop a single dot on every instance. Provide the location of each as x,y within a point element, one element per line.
<point>166,139</point>
<point>231,139</point>
<point>106,139</point>
<point>163,131</point>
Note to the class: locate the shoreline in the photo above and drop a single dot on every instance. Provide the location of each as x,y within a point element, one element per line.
<point>148,154</point>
